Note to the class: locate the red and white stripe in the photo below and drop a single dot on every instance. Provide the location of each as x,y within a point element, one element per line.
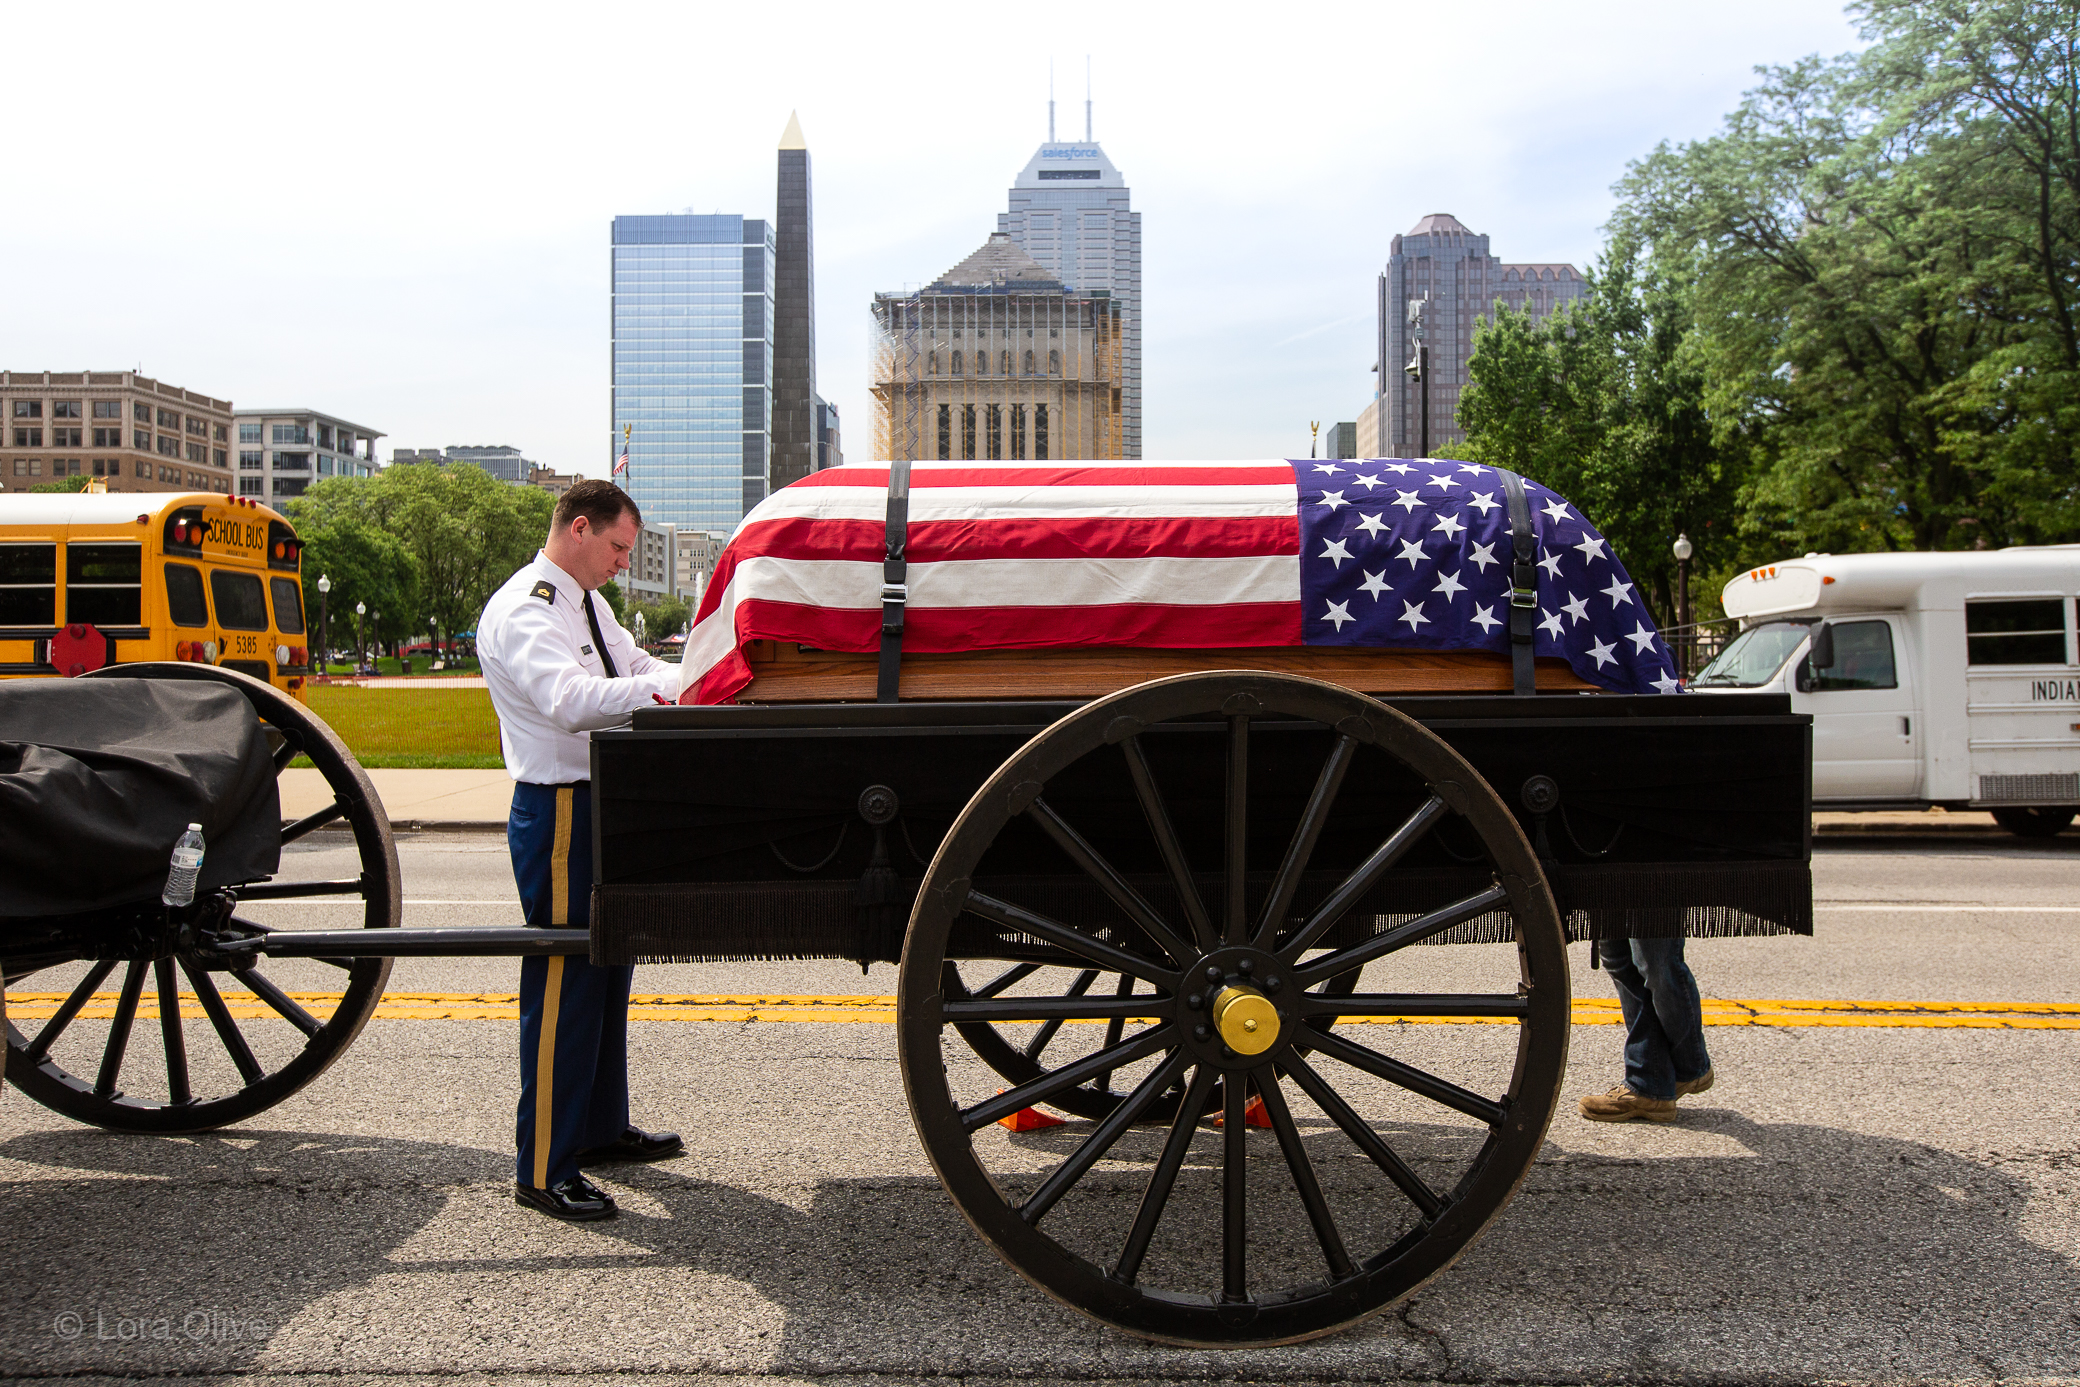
<point>1178,555</point>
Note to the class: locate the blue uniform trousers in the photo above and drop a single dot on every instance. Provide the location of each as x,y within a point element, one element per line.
<point>573,1015</point>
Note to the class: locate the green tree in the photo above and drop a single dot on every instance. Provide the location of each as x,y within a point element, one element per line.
<point>1604,403</point>
<point>1881,249</point>
<point>661,617</point>
<point>63,484</point>
<point>463,531</point>
<point>366,563</point>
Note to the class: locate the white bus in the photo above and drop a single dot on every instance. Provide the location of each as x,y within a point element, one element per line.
<point>1948,679</point>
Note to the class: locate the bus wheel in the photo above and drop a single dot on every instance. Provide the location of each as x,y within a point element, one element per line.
<point>2033,823</point>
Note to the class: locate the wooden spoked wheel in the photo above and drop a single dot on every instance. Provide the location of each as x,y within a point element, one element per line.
<point>248,1064</point>
<point>1377,1170</point>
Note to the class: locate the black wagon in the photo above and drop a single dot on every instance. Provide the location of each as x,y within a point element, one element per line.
<point>1186,913</point>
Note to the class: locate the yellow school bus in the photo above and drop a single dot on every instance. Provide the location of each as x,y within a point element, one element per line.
<point>91,580</point>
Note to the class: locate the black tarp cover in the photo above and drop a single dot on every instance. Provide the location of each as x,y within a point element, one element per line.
<point>99,778</point>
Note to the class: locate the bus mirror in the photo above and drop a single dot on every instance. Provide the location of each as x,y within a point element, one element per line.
<point>1823,647</point>
<point>1802,675</point>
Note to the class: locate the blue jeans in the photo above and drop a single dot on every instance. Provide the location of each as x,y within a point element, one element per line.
<point>1664,1016</point>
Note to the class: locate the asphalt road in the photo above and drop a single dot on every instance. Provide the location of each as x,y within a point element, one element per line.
<point>1848,1203</point>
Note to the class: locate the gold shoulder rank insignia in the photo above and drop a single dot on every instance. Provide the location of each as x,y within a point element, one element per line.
<point>546,591</point>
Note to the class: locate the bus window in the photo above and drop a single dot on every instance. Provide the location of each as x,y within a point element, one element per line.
<point>288,606</point>
<point>103,583</point>
<point>184,595</point>
<point>2031,631</point>
<point>240,604</point>
<point>1862,660</point>
<point>28,584</point>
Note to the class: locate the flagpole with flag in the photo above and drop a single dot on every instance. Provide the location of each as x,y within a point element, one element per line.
<point>621,464</point>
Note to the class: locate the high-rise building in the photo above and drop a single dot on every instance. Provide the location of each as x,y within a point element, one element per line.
<point>1442,262</point>
<point>1070,212</point>
<point>794,315</point>
<point>693,347</point>
<point>136,433</point>
<point>502,461</point>
<point>829,450</point>
<point>282,451</point>
<point>997,359</point>
<point>1340,440</point>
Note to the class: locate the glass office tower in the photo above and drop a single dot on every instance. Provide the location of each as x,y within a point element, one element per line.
<point>693,365</point>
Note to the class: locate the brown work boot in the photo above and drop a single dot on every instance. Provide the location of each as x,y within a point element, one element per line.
<point>1621,1104</point>
<point>1696,1085</point>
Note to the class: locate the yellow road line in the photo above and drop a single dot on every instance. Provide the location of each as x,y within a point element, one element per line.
<point>1588,1011</point>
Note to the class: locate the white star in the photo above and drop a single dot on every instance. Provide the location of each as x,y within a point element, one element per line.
<point>1551,624</point>
<point>1444,483</point>
<point>1591,547</point>
<point>1375,583</point>
<point>1482,556</point>
<point>1448,526</point>
<point>1412,613</point>
<point>1372,524</point>
<point>1484,617</point>
<point>1332,499</point>
<point>1482,501</point>
<point>1339,613</point>
<point>1577,607</point>
<point>1335,553</point>
<point>1367,482</point>
<point>1398,468</point>
<point>1619,593</point>
<point>1328,467</point>
<point>1667,684</point>
<point>1472,467</point>
<point>1449,585</point>
<point>1551,564</point>
<point>1642,639</point>
<point>1406,500</point>
<point>1603,654</point>
<point>1411,550</point>
<point>1555,511</point>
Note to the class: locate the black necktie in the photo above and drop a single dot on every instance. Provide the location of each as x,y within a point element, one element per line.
<point>592,620</point>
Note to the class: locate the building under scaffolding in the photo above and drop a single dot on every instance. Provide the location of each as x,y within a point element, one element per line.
<point>995,360</point>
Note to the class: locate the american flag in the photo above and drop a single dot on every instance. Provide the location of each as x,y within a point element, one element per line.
<point>621,463</point>
<point>1183,555</point>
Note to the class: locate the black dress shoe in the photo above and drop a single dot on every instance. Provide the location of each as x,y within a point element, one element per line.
<point>576,1200</point>
<point>635,1145</point>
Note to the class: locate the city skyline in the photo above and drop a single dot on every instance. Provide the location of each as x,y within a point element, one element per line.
<point>457,292</point>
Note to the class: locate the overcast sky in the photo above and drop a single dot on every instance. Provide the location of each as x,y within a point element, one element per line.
<point>399,213</point>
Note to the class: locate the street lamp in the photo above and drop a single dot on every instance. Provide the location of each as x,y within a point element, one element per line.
<point>1683,549</point>
<point>639,628</point>
<point>360,644</point>
<point>324,631</point>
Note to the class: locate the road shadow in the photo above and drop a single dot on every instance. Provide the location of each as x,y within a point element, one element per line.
<point>1820,1249</point>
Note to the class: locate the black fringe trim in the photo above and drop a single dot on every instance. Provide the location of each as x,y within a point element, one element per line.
<point>726,922</point>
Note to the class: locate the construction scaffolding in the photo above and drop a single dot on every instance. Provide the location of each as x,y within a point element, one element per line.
<point>996,361</point>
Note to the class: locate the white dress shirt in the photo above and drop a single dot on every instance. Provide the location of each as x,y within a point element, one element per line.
<point>548,683</point>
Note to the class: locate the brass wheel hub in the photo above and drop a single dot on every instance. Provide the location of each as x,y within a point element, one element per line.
<point>1245,1018</point>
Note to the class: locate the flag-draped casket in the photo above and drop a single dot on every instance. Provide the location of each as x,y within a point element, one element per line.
<point>1405,555</point>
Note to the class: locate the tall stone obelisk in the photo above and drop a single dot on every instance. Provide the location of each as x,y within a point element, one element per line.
<point>794,315</point>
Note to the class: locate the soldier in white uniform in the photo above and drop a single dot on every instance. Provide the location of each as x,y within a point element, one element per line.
<point>558,665</point>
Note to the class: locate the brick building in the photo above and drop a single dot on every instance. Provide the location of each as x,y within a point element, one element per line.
<point>133,432</point>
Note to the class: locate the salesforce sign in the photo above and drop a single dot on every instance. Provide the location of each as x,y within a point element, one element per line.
<point>1067,152</point>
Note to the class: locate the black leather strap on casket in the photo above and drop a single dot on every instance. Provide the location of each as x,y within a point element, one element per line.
<point>99,778</point>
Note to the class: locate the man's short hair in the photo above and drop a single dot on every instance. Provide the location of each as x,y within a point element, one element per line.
<point>601,503</point>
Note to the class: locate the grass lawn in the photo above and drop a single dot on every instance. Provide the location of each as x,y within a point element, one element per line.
<point>445,729</point>
<point>387,665</point>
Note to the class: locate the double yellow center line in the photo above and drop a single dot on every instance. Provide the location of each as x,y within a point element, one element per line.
<point>826,1009</point>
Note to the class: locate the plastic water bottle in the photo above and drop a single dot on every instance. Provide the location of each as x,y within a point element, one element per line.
<point>187,865</point>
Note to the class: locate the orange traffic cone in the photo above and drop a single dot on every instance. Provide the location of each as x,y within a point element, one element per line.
<point>1253,1114</point>
<point>1032,1120</point>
